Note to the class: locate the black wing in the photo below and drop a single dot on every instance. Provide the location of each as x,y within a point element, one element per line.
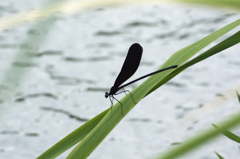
<point>130,64</point>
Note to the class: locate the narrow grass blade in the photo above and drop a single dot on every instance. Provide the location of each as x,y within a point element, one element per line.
<point>200,139</point>
<point>234,4</point>
<point>233,40</point>
<point>228,134</point>
<point>186,53</point>
<point>238,96</point>
<point>219,156</point>
<point>73,138</point>
<point>22,62</point>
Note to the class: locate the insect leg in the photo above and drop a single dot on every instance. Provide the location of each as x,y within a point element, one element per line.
<point>126,94</point>
<point>119,92</point>
<point>120,104</point>
<point>124,91</point>
<point>131,95</point>
<point>111,97</point>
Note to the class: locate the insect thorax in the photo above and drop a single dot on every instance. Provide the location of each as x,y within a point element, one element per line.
<point>113,90</point>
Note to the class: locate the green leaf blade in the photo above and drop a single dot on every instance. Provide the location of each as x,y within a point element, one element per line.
<point>197,46</point>
<point>228,133</point>
<point>219,156</point>
<point>73,138</point>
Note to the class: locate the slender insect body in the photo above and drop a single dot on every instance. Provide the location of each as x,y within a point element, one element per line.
<point>129,67</point>
<point>113,90</point>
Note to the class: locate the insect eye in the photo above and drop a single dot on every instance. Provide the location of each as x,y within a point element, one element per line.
<point>106,94</point>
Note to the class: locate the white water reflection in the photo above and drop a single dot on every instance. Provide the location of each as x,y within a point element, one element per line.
<point>80,60</point>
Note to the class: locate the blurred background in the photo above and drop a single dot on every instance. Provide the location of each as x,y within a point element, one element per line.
<point>60,66</point>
